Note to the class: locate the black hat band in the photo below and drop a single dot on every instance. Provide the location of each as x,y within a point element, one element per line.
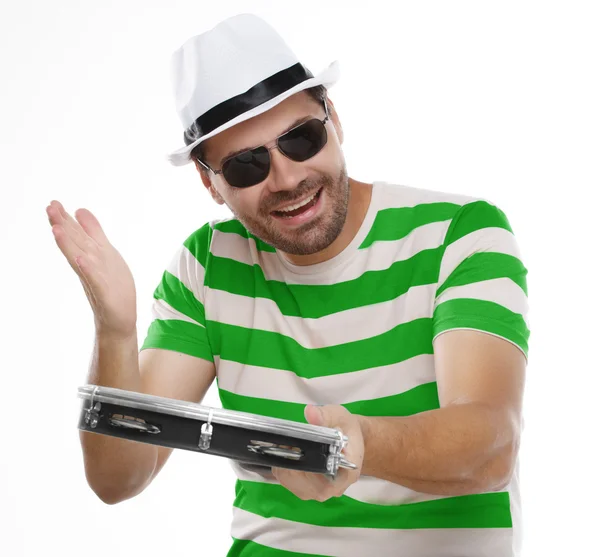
<point>262,92</point>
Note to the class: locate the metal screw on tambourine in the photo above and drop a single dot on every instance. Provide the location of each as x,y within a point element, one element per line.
<point>206,432</point>
<point>92,414</point>
<point>333,460</point>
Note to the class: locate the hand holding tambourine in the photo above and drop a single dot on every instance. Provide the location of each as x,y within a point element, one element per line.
<point>308,485</point>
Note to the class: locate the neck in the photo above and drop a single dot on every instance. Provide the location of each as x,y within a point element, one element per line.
<point>358,205</point>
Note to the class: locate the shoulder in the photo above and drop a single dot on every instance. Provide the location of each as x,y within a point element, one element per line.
<point>452,206</point>
<point>391,195</point>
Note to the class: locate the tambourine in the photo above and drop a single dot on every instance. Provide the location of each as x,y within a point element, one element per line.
<point>255,441</point>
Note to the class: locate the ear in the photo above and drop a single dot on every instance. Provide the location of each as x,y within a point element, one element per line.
<point>208,183</point>
<point>335,120</point>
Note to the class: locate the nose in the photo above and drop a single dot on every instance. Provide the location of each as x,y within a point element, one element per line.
<point>285,173</point>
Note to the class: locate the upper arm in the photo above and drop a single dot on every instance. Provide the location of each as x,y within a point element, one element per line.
<point>480,326</point>
<point>174,375</point>
<point>473,366</point>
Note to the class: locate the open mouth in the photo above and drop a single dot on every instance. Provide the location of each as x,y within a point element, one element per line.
<point>302,208</point>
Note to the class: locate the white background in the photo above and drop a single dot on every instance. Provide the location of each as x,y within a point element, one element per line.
<point>493,99</point>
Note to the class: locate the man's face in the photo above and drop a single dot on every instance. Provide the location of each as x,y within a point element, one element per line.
<point>322,180</point>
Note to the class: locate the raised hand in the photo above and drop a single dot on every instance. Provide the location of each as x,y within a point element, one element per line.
<point>106,278</point>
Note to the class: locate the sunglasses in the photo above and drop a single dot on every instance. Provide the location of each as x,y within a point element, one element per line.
<point>253,166</point>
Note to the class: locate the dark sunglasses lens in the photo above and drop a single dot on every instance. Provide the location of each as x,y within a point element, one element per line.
<point>305,141</point>
<point>247,169</point>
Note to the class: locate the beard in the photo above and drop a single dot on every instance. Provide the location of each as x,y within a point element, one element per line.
<point>311,237</point>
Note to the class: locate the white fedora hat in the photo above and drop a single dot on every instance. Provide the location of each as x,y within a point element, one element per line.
<point>238,69</point>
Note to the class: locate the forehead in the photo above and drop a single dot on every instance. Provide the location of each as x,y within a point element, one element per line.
<point>262,128</point>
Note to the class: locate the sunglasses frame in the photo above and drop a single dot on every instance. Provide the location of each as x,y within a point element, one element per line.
<point>268,146</point>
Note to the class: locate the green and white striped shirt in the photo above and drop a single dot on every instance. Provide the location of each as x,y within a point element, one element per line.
<point>356,330</point>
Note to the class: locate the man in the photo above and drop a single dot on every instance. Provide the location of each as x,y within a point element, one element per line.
<point>401,311</point>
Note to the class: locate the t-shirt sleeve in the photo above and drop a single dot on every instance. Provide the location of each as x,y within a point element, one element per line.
<point>178,318</point>
<point>482,282</point>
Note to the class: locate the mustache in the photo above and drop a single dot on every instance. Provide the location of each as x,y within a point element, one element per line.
<point>288,198</point>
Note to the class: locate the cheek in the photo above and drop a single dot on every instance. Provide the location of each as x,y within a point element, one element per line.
<point>245,201</point>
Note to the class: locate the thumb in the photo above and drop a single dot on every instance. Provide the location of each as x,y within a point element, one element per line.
<point>314,415</point>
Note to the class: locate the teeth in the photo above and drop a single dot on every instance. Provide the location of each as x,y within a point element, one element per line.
<point>298,205</point>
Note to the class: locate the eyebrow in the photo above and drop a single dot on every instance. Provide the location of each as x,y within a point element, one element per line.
<point>299,121</point>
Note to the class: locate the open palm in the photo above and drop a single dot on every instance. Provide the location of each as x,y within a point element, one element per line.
<point>106,278</point>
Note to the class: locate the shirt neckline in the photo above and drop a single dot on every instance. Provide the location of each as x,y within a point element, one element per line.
<point>348,251</point>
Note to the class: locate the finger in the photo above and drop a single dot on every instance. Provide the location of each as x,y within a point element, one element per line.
<point>58,216</point>
<point>73,228</point>
<point>91,226</point>
<point>313,415</point>
<point>66,245</point>
<point>54,214</point>
<point>304,485</point>
<point>78,261</point>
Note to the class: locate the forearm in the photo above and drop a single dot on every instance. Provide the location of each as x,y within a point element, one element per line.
<point>116,469</point>
<point>461,448</point>
<point>490,477</point>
